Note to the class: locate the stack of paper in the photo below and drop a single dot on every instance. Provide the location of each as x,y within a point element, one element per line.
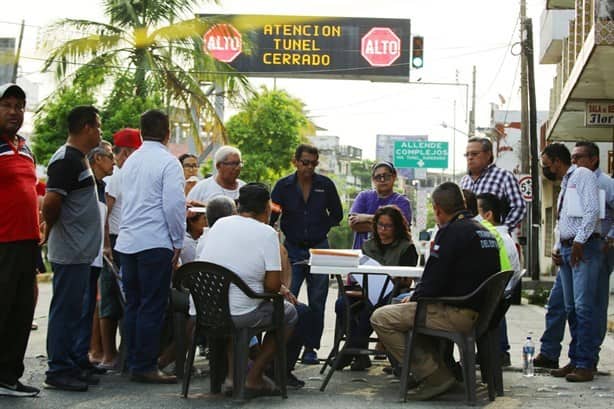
<point>336,258</point>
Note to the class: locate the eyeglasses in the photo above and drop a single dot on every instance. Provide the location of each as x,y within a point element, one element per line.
<point>234,164</point>
<point>190,165</point>
<point>12,107</point>
<point>307,162</point>
<point>385,226</point>
<point>384,177</point>
<point>472,154</point>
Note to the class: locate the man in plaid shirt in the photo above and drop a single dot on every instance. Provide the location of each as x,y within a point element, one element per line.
<point>485,177</point>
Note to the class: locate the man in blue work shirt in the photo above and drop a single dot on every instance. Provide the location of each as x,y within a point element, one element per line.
<point>309,206</point>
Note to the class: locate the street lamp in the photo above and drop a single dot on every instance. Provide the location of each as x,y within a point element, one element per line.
<point>454,129</point>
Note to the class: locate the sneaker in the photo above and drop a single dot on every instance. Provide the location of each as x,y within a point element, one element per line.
<point>310,358</point>
<point>65,383</point>
<point>88,377</point>
<point>293,382</point>
<point>541,361</point>
<point>19,390</point>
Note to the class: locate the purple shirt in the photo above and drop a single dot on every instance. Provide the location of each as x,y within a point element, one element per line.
<point>368,202</point>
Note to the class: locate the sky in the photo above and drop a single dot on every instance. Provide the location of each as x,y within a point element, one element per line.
<point>457,36</point>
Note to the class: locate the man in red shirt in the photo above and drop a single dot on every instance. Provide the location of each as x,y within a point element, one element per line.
<point>19,237</point>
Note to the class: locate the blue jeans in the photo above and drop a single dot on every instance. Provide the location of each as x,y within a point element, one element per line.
<point>580,294</point>
<point>296,341</point>
<point>70,283</point>
<point>360,326</point>
<point>146,280</point>
<point>556,317</point>
<point>87,315</point>
<point>317,289</point>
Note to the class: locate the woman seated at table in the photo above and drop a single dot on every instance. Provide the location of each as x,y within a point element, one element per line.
<point>390,245</point>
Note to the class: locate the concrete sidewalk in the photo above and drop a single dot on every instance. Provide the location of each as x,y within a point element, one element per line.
<point>371,389</point>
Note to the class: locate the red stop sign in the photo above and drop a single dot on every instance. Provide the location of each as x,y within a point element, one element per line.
<point>223,42</point>
<point>380,47</point>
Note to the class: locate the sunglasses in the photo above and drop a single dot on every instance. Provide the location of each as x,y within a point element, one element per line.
<point>307,162</point>
<point>384,177</point>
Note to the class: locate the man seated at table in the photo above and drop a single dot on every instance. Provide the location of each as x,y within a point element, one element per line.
<point>464,255</point>
<point>248,246</point>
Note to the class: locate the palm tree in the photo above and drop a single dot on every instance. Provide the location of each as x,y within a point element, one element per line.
<point>147,40</point>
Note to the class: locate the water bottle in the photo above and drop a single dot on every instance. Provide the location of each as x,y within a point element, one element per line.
<point>528,352</point>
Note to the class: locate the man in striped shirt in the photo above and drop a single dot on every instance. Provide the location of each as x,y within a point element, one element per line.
<point>483,176</point>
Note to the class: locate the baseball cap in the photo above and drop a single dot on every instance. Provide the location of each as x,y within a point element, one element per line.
<point>12,90</point>
<point>127,138</point>
<point>389,165</point>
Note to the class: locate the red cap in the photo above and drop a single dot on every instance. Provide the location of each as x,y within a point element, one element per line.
<point>127,138</point>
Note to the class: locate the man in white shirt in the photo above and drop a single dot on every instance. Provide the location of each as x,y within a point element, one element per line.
<point>225,182</point>
<point>259,266</point>
<point>150,239</point>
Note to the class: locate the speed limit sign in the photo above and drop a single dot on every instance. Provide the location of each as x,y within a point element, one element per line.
<point>526,188</point>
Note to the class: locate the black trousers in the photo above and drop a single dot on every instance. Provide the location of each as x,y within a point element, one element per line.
<point>17,274</point>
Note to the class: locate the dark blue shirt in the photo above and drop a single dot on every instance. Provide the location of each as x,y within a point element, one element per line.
<point>307,223</point>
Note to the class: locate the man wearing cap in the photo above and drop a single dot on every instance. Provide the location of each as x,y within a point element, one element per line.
<point>309,205</point>
<point>384,176</point>
<point>151,233</point>
<point>125,142</point>
<point>19,236</point>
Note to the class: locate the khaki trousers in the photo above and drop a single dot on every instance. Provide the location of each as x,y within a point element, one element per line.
<point>391,323</point>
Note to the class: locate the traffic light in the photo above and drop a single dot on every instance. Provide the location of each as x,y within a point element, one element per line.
<point>417,52</point>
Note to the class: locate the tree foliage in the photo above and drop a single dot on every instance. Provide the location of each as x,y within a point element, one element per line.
<point>51,124</point>
<point>149,40</point>
<point>267,130</point>
<point>122,109</point>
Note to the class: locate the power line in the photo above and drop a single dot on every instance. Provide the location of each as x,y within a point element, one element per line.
<point>502,61</point>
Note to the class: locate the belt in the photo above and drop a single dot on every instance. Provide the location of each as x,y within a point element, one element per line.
<point>569,242</point>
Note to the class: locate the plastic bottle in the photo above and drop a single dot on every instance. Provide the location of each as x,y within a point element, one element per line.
<point>528,353</point>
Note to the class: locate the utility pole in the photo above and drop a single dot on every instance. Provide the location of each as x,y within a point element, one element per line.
<point>454,145</point>
<point>18,54</point>
<point>473,101</point>
<point>535,203</point>
<point>524,94</point>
